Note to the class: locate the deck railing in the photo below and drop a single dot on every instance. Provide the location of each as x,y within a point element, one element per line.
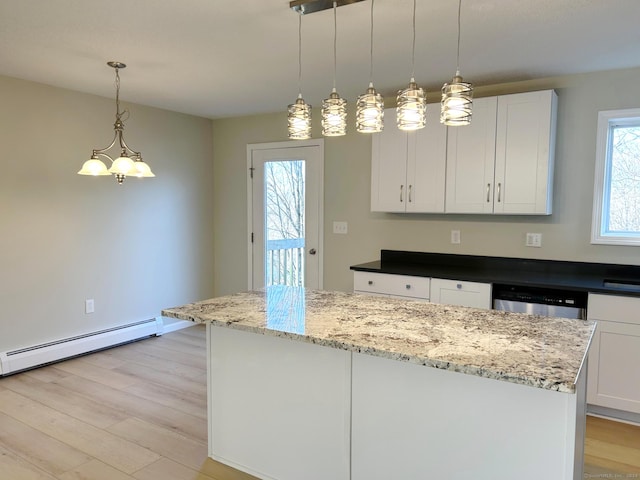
<point>285,262</point>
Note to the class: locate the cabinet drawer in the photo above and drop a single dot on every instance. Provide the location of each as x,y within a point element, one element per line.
<point>464,294</point>
<point>614,308</point>
<point>388,284</point>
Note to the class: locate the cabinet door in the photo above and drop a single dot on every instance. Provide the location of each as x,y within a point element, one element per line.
<point>426,165</point>
<point>614,377</point>
<point>463,294</point>
<point>525,146</point>
<point>470,161</point>
<point>389,167</point>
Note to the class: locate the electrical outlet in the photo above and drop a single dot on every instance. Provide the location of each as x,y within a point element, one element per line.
<point>89,306</point>
<point>455,237</point>
<point>340,227</point>
<point>534,240</point>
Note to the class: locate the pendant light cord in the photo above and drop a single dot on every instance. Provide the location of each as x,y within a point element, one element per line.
<point>335,42</point>
<point>371,68</point>
<point>458,54</point>
<point>300,54</point>
<point>413,48</point>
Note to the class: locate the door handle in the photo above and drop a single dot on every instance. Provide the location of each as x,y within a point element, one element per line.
<point>499,191</point>
<point>410,188</point>
<point>312,251</point>
<point>488,191</point>
<point>401,191</point>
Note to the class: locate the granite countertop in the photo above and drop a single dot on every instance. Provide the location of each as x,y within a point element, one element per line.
<point>529,350</point>
<point>579,276</point>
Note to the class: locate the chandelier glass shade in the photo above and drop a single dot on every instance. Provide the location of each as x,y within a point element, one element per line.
<point>299,119</point>
<point>457,101</point>
<point>411,110</point>
<point>129,162</point>
<point>370,111</point>
<point>334,115</point>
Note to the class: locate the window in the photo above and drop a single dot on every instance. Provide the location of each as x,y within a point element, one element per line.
<point>616,203</point>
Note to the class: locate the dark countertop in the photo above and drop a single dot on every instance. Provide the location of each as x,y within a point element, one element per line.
<point>578,276</point>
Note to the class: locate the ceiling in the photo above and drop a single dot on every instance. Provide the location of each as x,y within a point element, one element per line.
<point>222,58</point>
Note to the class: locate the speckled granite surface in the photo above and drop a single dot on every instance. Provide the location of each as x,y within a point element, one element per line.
<point>530,350</point>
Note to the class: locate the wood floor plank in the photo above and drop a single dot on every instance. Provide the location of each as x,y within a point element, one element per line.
<point>170,344</point>
<point>12,467</point>
<point>82,368</point>
<point>198,341</point>
<point>58,398</point>
<point>198,330</point>
<point>125,456</point>
<point>170,397</point>
<point>37,448</point>
<point>192,387</point>
<point>103,360</point>
<point>166,469</point>
<point>151,411</point>
<point>166,364</point>
<point>95,470</point>
<point>162,441</point>
<point>627,458</point>
<point>151,347</point>
<point>47,374</point>
<point>616,433</point>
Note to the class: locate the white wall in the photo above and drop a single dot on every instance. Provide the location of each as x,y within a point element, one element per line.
<point>134,248</point>
<point>566,233</point>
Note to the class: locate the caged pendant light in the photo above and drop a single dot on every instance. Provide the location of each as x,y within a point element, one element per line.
<point>129,163</point>
<point>411,110</point>
<point>457,96</point>
<point>370,106</point>
<point>299,113</point>
<point>334,108</point>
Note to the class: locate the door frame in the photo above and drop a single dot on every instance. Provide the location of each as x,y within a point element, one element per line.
<point>319,142</point>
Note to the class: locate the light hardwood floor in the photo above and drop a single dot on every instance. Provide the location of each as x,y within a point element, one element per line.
<point>139,412</point>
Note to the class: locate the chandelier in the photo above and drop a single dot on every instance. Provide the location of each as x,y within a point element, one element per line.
<point>129,163</point>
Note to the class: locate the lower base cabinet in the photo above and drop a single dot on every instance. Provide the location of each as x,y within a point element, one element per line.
<point>614,357</point>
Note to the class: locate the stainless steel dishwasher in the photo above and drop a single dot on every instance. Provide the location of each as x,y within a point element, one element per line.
<point>550,302</point>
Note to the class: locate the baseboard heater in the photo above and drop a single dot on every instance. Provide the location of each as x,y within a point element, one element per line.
<point>29,357</point>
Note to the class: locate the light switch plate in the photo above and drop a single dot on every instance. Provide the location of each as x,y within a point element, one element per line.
<point>340,227</point>
<point>455,237</point>
<point>89,306</point>
<point>534,240</point>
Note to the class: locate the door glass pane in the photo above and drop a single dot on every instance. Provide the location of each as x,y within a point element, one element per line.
<point>284,220</point>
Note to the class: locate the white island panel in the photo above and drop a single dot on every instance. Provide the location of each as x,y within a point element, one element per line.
<point>278,409</point>
<point>412,423</point>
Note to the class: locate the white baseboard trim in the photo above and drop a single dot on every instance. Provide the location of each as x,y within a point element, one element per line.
<point>177,325</point>
<point>37,355</point>
<point>613,414</point>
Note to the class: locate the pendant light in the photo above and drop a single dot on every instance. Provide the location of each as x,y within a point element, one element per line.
<point>370,106</point>
<point>299,113</point>
<point>457,96</point>
<point>334,108</point>
<point>411,110</point>
<point>129,163</point>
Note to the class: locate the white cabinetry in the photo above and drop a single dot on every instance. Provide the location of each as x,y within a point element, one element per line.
<point>408,168</point>
<point>388,285</point>
<point>614,357</point>
<point>503,162</point>
<point>464,294</point>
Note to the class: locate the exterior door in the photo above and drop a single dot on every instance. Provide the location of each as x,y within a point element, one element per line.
<point>285,218</point>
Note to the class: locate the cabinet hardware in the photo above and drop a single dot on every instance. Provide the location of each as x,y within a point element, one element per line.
<point>401,191</point>
<point>459,286</point>
<point>410,192</point>
<point>312,251</point>
<point>499,189</point>
<point>370,282</point>
<point>488,191</point>
<point>408,287</point>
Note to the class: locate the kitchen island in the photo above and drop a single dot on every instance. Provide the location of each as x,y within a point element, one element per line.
<point>326,385</point>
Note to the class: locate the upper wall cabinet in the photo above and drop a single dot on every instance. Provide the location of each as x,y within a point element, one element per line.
<point>503,162</point>
<point>408,168</point>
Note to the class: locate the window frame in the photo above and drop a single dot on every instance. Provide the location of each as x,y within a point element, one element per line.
<point>606,120</point>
